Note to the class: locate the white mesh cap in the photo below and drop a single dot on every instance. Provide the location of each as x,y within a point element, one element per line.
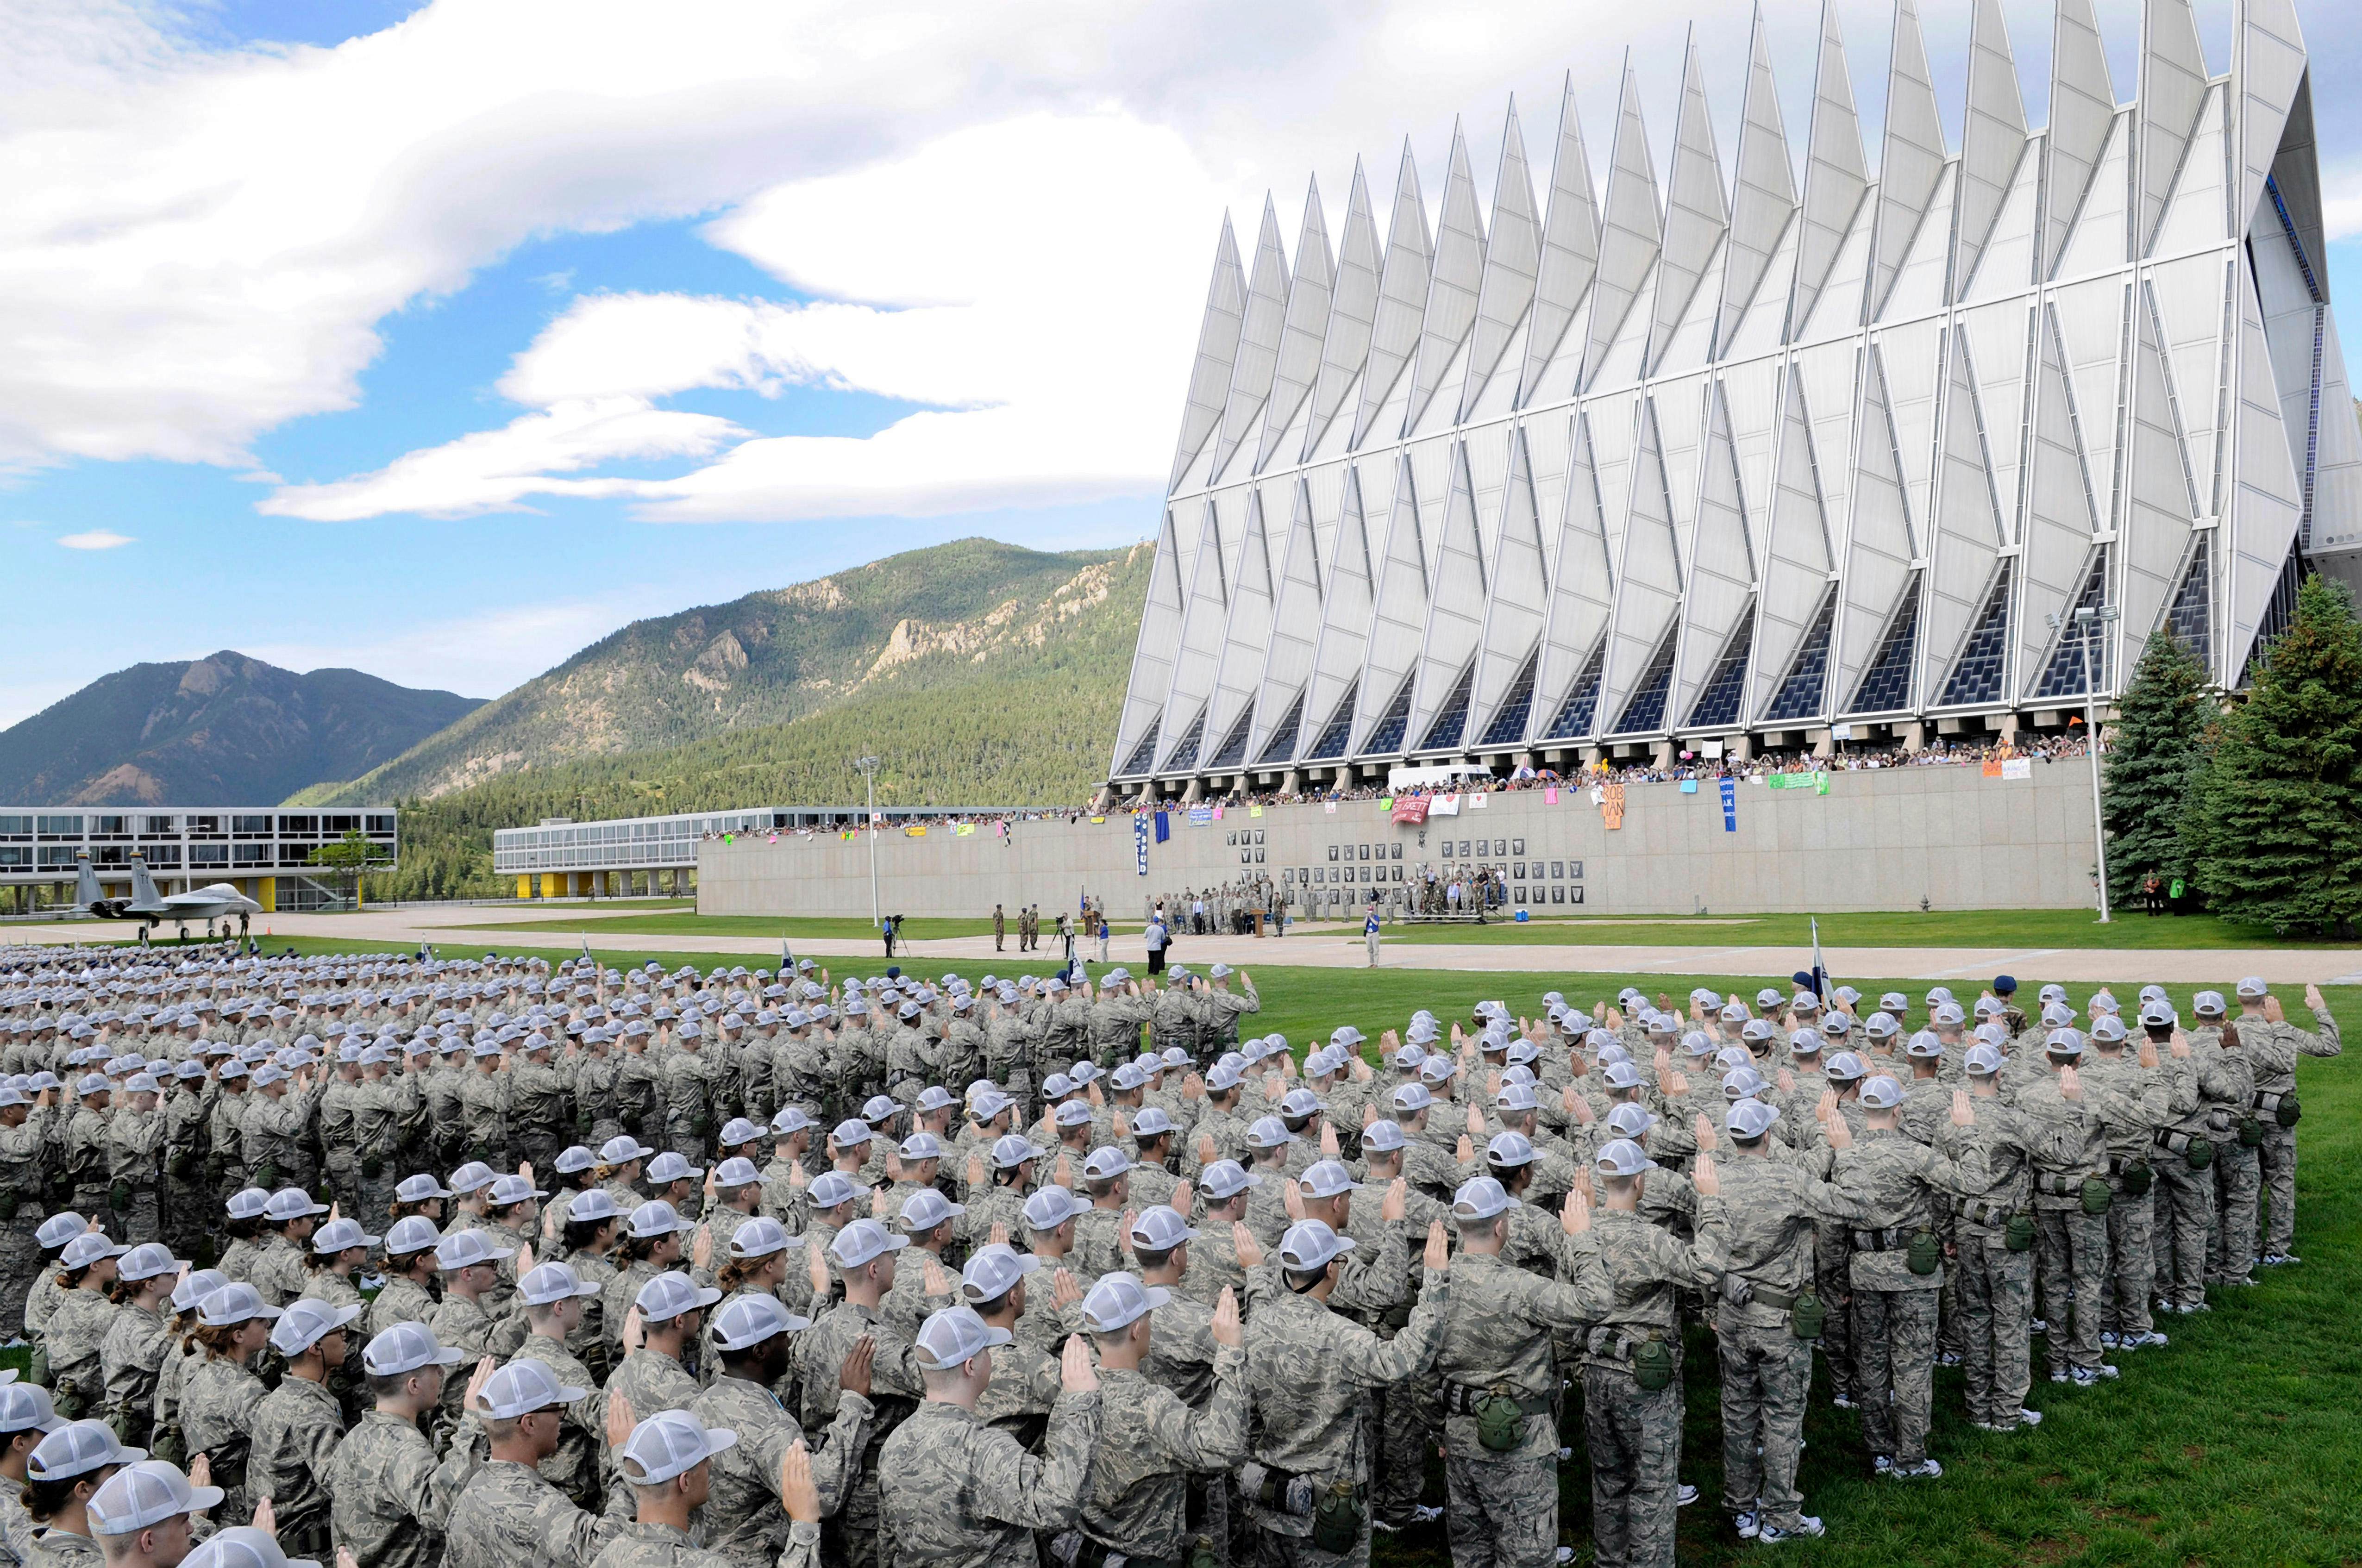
<point>670,1443</point>
<point>670,1167</point>
<point>146,1261</point>
<point>406,1347</point>
<point>64,1226</point>
<point>337,1235</point>
<point>553,1282</point>
<point>513,1189</point>
<point>864,1240</point>
<point>657,1218</point>
<point>411,1233</point>
<point>955,1335</point>
<point>751,1317</point>
<point>1481,1197</point>
<point>736,1171</point>
<point>523,1386</point>
<point>88,1248</point>
<point>668,1296</point>
<point>1160,1229</point>
<point>419,1188</point>
<point>1310,1244</point>
<point>1119,1300</point>
<point>236,1302</point>
<point>464,1249</point>
<point>243,1546</point>
<point>1223,1180</point>
<point>147,1494</point>
<point>25,1407</point>
<point>760,1238</point>
<point>1326,1178</point>
<point>78,1449</point>
<point>927,1209</point>
<point>993,1272</point>
<point>292,1203</point>
<point>303,1324</point>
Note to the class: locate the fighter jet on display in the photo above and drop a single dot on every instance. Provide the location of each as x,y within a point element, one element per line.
<point>217,901</point>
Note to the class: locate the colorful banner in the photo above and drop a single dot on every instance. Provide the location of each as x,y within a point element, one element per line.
<point>1254,811</point>
<point>1218,813</point>
<point>1139,842</point>
<point>1993,768</point>
<point>1689,786</point>
<point>1549,795</point>
<point>1330,807</point>
<point>2017,768</point>
<point>966,830</point>
<point>1444,806</point>
<point>1411,808</point>
<point>1730,805</point>
<point>1479,801</point>
<point>1385,803</point>
<point>915,829</point>
<point>1200,815</point>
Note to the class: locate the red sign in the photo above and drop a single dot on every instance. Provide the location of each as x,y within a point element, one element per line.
<point>1411,808</point>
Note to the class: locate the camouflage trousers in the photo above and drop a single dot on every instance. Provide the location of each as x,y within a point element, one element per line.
<point>1767,1374</point>
<point>1996,1312</point>
<point>2277,1156</point>
<point>1833,1280</point>
<point>190,1214</point>
<point>90,1202</point>
<point>141,1221</point>
<point>1406,1420</point>
<point>1635,1438</point>
<point>850,1536</point>
<point>1275,1549</point>
<point>343,1179</point>
<point>2184,1200</point>
<point>1894,1350</point>
<point>2071,1253</point>
<point>375,1202</point>
<point>20,1264</point>
<point>1503,1506</point>
<point>2132,1263</point>
<point>2231,1246</point>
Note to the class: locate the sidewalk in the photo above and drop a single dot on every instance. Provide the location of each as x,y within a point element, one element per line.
<point>1323,945</point>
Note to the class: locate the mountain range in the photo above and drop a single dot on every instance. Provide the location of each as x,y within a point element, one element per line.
<point>226,730</point>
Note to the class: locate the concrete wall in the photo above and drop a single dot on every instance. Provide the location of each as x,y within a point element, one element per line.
<point>1880,839</point>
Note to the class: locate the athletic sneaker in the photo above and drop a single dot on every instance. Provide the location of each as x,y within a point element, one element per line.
<point>1926,1469</point>
<point>1747,1522</point>
<point>2038,1326</point>
<point>1806,1525</point>
<point>1685,1495</point>
<point>2274,1260</point>
<point>1949,1358</point>
<point>2029,1417</point>
<point>1842,1402</point>
<point>1422,1513</point>
<point>2086,1376</point>
<point>1881,1464</point>
<point>2151,1340</point>
<point>2107,1339</point>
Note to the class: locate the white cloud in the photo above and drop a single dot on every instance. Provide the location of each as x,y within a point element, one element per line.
<point>95,540</point>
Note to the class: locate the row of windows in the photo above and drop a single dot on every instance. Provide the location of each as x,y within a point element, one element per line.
<point>144,825</point>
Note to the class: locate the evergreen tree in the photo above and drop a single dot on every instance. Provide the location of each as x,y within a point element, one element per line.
<point>2277,832</point>
<point>2155,757</point>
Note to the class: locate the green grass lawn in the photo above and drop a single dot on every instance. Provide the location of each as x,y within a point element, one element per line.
<point>2236,1444</point>
<point>1941,928</point>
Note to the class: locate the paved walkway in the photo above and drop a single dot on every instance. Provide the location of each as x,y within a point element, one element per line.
<point>1325,945</point>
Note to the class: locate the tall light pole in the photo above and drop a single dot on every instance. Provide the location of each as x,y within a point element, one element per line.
<point>868,766</point>
<point>2086,623</point>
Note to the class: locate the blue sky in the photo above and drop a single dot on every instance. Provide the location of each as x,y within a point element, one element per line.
<point>430,340</point>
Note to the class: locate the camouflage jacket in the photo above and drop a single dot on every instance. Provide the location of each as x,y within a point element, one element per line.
<point>1310,1373</point>
<point>953,1493</point>
<point>636,1545</point>
<point>574,1468</point>
<point>390,1496</point>
<point>296,1427</point>
<point>403,1300</point>
<point>741,1521</point>
<point>1888,1187</point>
<point>1500,1321</point>
<point>1648,1266</point>
<point>218,1401</point>
<point>77,1331</point>
<point>1149,1443</point>
<point>508,1517</point>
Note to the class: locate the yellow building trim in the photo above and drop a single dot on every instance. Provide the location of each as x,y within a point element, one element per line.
<point>525,885</point>
<point>266,893</point>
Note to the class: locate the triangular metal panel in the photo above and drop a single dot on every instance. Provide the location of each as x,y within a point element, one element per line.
<point>1722,567</point>
<point>1487,450</point>
<point>1455,612</point>
<point>1879,548</point>
<point>1918,290</point>
<point>1259,333</point>
<point>2333,519</point>
<point>1402,303</point>
<point>1681,415</point>
<point>1308,295</point>
<point>1442,410</point>
<point>1398,616</point>
<point>2061,516</point>
<point>1696,213</point>
<point>1647,576</point>
<point>1797,566</point>
<point>2000,338</point>
<point>1625,362</point>
<point>1691,345</point>
<point>1610,427</point>
<point>2083,111</point>
<point>2292,314</point>
<point>1912,358</point>
<point>1628,237</point>
<point>1519,600</point>
<point>2095,322</point>
<point>1831,373</point>
<point>2194,308</point>
<point>2198,213</point>
<point>1569,246</point>
<point>1913,160</point>
<point>2267,62</point>
<point>2173,78</point>
<point>1246,637</point>
<point>1763,326</point>
<point>1353,312</point>
<point>1968,529</point>
<point>1199,650</point>
<point>1763,203</point>
<point>1458,277</point>
<point>1217,347</point>
<point>1294,620</point>
<point>1582,587</point>
<point>1152,658</point>
<point>2266,499</point>
<point>2160,503</point>
<point>1751,395</point>
<point>1497,399</point>
<point>1992,143</point>
<point>1836,177</point>
<point>1838,311</point>
<point>2005,268</point>
<point>2100,239</point>
<point>1430,490</point>
<point>1512,262</point>
<point>1348,590</point>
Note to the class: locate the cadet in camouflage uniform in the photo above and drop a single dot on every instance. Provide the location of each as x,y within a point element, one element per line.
<point>187,1198</point>
<point>83,1168</point>
<point>1994,1240</point>
<point>24,1128</point>
<point>552,1298</point>
<point>689,1095</point>
<point>1499,1381</point>
<point>220,1395</point>
<point>276,1135</point>
<point>507,1515</point>
<point>337,1141</point>
<point>298,1425</point>
<point>135,1141</point>
<point>954,1490</point>
<point>376,1109</point>
<point>743,1523</point>
<point>483,1109</point>
<point>864,1252</point>
<point>672,1308</point>
<point>2274,1045</point>
<point>389,1496</point>
<point>540,1117</point>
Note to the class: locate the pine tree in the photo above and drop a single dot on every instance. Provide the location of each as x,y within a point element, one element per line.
<point>2277,832</point>
<point>2154,768</point>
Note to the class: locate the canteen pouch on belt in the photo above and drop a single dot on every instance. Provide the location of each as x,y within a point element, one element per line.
<point>171,1447</point>
<point>69,1403</point>
<point>37,1368</point>
<point>1202,1554</point>
<point>1925,1254</point>
<point>2097,1199</point>
<point>1276,1489</point>
<point>10,1201</point>
<point>2201,1152</point>
<point>2287,1112</point>
<point>1807,1317</point>
<point>1500,1418</point>
<point>1337,1521</point>
<point>1653,1365</point>
<point>2251,1133</point>
<point>2019,1234</point>
<point>2137,1178</point>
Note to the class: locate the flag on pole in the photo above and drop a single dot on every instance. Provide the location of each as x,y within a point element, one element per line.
<point>786,959</point>
<point>1820,970</point>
